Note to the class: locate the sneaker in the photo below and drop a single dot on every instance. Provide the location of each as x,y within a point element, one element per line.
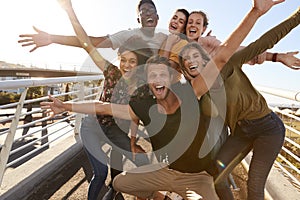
<point>119,196</point>
<point>112,194</point>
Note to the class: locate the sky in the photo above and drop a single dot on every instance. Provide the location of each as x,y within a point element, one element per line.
<point>102,17</point>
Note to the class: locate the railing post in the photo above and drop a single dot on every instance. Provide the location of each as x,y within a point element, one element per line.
<point>44,123</point>
<point>4,155</point>
<point>79,116</point>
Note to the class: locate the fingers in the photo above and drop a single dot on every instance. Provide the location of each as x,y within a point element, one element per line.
<point>48,111</point>
<point>28,44</point>
<point>26,36</point>
<point>33,49</point>
<point>25,40</point>
<point>261,58</point>
<point>294,68</point>
<point>45,103</point>
<point>192,195</point>
<point>293,52</point>
<point>278,1</point>
<point>36,29</point>
<point>51,97</point>
<point>209,32</point>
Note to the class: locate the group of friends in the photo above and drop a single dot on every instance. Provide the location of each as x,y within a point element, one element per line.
<point>191,95</point>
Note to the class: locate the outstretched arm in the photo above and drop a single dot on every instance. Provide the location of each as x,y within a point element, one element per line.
<point>207,77</point>
<point>42,38</point>
<point>211,44</point>
<point>89,107</point>
<point>288,59</point>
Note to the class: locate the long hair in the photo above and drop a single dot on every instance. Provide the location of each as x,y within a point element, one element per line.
<point>139,47</point>
<point>197,46</point>
<point>187,14</point>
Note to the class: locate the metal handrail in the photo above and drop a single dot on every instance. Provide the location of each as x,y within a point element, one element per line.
<point>13,84</point>
<point>48,137</point>
<point>287,94</point>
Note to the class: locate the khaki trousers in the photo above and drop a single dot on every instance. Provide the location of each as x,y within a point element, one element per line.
<point>145,180</point>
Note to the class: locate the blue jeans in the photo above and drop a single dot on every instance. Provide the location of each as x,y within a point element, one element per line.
<point>93,137</point>
<point>265,136</point>
<point>100,171</point>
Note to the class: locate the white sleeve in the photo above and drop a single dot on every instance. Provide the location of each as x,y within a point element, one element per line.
<point>120,37</point>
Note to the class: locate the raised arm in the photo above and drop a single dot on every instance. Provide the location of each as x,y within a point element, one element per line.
<point>208,75</point>
<point>82,36</point>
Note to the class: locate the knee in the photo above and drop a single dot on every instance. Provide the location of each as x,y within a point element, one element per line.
<point>119,182</point>
<point>101,171</point>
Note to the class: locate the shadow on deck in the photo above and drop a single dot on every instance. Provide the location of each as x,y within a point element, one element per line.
<point>71,182</point>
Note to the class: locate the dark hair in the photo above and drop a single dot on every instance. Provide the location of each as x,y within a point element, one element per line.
<point>157,59</point>
<point>205,18</point>
<point>197,46</point>
<point>139,47</point>
<point>187,14</point>
<point>143,2</point>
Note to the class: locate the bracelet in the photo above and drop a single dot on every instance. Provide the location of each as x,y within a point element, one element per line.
<point>274,57</point>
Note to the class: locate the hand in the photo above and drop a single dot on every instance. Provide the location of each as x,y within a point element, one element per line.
<point>209,33</point>
<point>65,4</point>
<point>56,106</point>
<point>289,59</point>
<point>192,195</point>
<point>209,43</point>
<point>262,6</point>
<point>39,40</point>
<point>172,39</point>
<point>258,59</point>
<point>135,148</point>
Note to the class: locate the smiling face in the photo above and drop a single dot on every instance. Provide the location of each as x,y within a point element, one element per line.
<point>195,26</point>
<point>193,61</point>
<point>159,80</point>
<point>177,23</point>
<point>128,61</point>
<point>148,15</point>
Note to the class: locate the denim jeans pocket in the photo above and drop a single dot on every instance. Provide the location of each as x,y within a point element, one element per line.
<point>269,124</point>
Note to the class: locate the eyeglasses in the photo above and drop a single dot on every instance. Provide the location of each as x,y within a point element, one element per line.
<point>149,11</point>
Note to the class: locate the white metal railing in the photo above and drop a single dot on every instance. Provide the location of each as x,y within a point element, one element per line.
<point>69,124</point>
<point>288,159</point>
<point>40,130</point>
<point>287,94</point>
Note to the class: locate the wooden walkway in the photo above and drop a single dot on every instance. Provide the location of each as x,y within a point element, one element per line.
<point>71,183</point>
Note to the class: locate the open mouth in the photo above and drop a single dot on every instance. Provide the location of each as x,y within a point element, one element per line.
<point>192,31</point>
<point>127,72</point>
<point>173,27</point>
<point>159,89</point>
<point>193,67</point>
<point>150,20</point>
